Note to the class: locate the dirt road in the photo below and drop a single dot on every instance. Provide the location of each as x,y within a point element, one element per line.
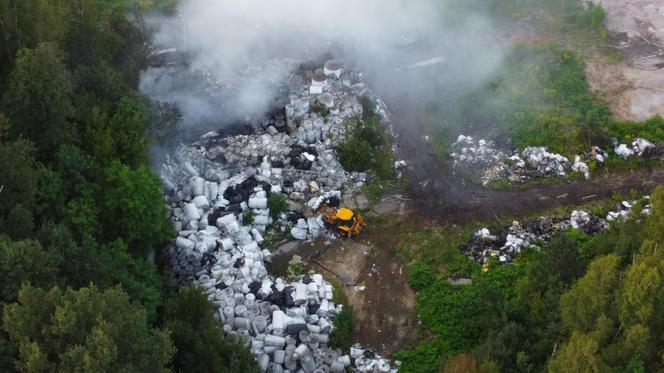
<point>443,197</point>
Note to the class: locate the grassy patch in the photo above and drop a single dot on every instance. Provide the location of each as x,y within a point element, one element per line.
<point>342,335</point>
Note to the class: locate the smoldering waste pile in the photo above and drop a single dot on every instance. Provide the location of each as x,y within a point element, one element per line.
<point>484,246</point>
<point>493,164</point>
<point>218,190</point>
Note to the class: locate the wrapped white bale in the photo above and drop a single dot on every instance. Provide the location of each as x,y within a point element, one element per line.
<point>325,326</point>
<point>260,323</point>
<point>251,247</point>
<point>212,189</point>
<point>321,337</point>
<point>279,320</point>
<point>201,202</point>
<point>228,223</point>
<point>290,363</point>
<point>308,363</point>
<point>328,292</point>
<point>191,212</point>
<point>258,203</point>
<point>337,367</point>
<point>300,295</point>
<point>243,237</point>
<point>263,361</point>
<point>279,356</point>
<point>299,233</point>
<point>185,243</point>
<point>300,351</point>
<point>257,346</point>
<point>345,360</point>
<point>187,233</point>
<point>241,323</point>
<point>197,186</point>
<point>227,243</point>
<point>257,235</point>
<point>261,220</point>
<point>318,279</point>
<point>189,169</point>
<point>273,340</point>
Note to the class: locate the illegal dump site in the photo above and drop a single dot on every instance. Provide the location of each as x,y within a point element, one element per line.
<point>331,235</point>
<point>350,186</point>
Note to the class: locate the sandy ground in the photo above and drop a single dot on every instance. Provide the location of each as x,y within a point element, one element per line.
<point>634,87</point>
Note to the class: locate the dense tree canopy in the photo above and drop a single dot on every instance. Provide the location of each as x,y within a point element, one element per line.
<point>79,207</point>
<point>199,339</point>
<point>87,330</point>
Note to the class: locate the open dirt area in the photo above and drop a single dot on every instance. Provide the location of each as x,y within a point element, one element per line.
<point>634,87</point>
<point>372,278</point>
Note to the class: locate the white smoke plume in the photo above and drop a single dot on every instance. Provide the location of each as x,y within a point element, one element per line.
<point>249,46</point>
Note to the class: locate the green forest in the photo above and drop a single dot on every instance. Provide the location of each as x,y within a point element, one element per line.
<point>81,210</point>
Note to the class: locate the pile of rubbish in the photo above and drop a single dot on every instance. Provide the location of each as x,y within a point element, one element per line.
<point>484,247</point>
<point>219,190</point>
<point>640,147</point>
<point>491,164</point>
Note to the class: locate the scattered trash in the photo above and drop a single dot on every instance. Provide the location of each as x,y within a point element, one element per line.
<point>484,246</point>
<point>489,164</point>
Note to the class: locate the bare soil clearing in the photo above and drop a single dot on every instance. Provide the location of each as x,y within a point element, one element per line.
<point>634,87</point>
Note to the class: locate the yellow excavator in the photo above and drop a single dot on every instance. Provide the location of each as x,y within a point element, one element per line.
<point>345,221</point>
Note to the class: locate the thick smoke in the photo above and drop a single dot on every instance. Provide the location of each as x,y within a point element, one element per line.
<point>242,49</point>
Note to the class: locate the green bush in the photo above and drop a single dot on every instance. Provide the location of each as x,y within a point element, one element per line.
<point>277,204</point>
<point>247,218</point>
<point>420,276</point>
<point>366,147</point>
<point>320,109</point>
<point>342,335</point>
<point>355,155</point>
<point>199,341</point>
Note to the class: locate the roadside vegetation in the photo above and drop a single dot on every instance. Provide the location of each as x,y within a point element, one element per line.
<point>581,303</point>
<point>80,210</point>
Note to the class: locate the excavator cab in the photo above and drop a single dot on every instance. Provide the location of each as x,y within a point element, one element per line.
<point>345,221</point>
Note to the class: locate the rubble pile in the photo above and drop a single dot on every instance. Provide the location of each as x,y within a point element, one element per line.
<point>492,164</point>
<point>484,246</point>
<point>495,164</point>
<point>640,147</point>
<point>218,190</point>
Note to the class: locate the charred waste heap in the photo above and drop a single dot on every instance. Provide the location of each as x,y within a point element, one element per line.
<point>218,190</point>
